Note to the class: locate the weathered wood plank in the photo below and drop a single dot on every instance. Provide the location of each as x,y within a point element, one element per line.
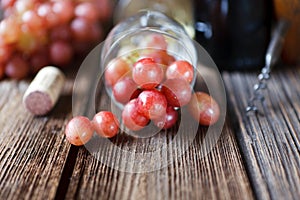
<point>219,175</point>
<point>269,141</point>
<point>33,150</point>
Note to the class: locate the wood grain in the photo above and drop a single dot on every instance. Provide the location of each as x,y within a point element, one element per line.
<point>33,150</point>
<point>270,140</point>
<point>219,175</point>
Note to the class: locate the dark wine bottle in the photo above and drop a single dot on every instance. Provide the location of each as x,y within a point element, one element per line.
<point>235,33</point>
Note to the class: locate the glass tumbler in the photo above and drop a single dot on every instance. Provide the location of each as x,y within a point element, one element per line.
<point>146,34</point>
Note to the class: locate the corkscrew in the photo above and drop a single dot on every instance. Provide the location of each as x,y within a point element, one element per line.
<point>272,55</point>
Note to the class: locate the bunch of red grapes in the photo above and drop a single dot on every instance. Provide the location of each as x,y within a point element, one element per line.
<point>36,33</point>
<point>153,88</point>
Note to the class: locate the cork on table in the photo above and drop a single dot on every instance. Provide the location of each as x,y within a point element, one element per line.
<point>256,157</point>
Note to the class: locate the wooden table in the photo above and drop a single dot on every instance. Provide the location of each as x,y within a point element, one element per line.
<point>256,157</point>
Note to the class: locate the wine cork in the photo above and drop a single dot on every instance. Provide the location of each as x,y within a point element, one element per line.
<point>43,92</point>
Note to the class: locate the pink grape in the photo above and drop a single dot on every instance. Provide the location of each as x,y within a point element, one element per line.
<point>32,19</point>
<point>168,120</point>
<point>147,73</point>
<point>152,104</point>
<point>79,130</point>
<point>116,69</point>
<point>17,67</point>
<point>79,27</point>
<point>132,119</point>
<point>180,69</point>
<point>61,52</point>
<point>61,32</point>
<point>87,10</point>
<point>125,89</point>
<point>177,91</point>
<point>64,10</point>
<point>106,124</point>
<point>204,108</point>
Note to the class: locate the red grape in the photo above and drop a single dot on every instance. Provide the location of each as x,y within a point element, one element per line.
<point>168,120</point>
<point>104,8</point>
<point>204,108</point>
<point>79,130</point>
<point>45,11</point>
<point>61,52</point>
<point>125,89</point>
<point>5,53</point>
<point>61,32</point>
<point>17,67</point>
<point>156,41</point>
<point>178,92</point>
<point>106,124</point>
<point>39,60</point>
<point>87,10</point>
<point>160,56</point>
<point>32,19</point>
<point>147,74</point>
<point>64,10</point>
<point>132,119</point>
<point>116,69</point>
<point>180,69</point>
<point>9,30</point>
<point>152,104</point>
<point>95,32</point>
<point>79,27</point>
<point>28,26</point>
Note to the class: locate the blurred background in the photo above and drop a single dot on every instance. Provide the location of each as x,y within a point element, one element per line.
<point>236,33</point>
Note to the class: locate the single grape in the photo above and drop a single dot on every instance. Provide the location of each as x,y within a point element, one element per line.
<point>60,52</point>
<point>39,59</point>
<point>45,11</point>
<point>80,28</point>
<point>204,108</point>
<point>17,67</point>
<point>116,69</point>
<point>87,10</point>
<point>132,119</point>
<point>124,90</point>
<point>79,130</point>
<point>9,30</point>
<point>106,124</point>
<point>168,120</point>
<point>95,32</point>
<point>152,104</point>
<point>180,69</point>
<point>32,20</point>
<point>159,56</point>
<point>177,91</point>
<point>155,41</point>
<point>147,74</point>
<point>5,53</point>
<point>61,32</point>
<point>64,10</point>
<point>105,9</point>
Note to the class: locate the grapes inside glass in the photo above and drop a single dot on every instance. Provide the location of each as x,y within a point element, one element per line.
<point>138,45</point>
<point>148,34</point>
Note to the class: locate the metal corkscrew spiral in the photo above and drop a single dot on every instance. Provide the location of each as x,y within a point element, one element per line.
<point>272,55</point>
